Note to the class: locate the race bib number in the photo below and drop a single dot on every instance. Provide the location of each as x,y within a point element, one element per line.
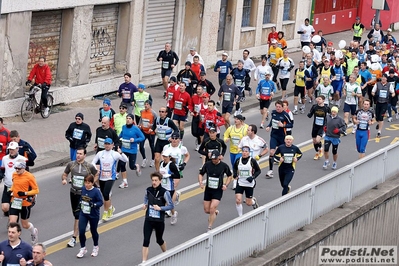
<point>78,181</point>
<point>197,108</point>
<point>227,96</point>
<point>223,69</point>
<point>178,105</point>
<point>318,48</point>
<point>170,96</point>
<point>239,82</point>
<point>244,173</point>
<point>266,90</point>
<point>319,121</point>
<point>126,95</point>
<point>383,94</point>
<point>186,80</point>
<point>262,75</point>
<point>288,157</point>
<point>213,182</point>
<point>275,124</point>
<point>77,133</point>
<point>140,104</point>
<point>161,133</point>
<point>284,71</point>
<point>338,76</point>
<point>363,125</point>
<point>272,55</point>
<point>106,170</point>
<point>126,143</point>
<point>164,180</point>
<point>153,213</point>
<point>100,143</point>
<point>235,140</point>
<point>165,64</point>
<point>373,77</point>
<point>85,207</point>
<point>146,122</point>
<point>17,204</point>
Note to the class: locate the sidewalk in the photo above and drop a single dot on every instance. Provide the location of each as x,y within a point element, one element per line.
<point>47,135</point>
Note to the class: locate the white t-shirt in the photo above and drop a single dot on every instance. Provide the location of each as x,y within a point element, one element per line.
<point>306,37</point>
<point>257,145</point>
<point>249,64</point>
<point>352,100</point>
<point>177,152</point>
<point>260,72</point>
<point>8,165</point>
<point>284,73</point>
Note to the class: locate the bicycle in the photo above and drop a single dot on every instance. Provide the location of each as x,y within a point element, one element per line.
<point>31,105</point>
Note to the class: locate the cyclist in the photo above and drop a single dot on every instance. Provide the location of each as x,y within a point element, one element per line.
<point>41,72</point>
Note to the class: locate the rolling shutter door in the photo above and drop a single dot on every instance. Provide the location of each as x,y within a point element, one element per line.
<point>103,40</point>
<point>45,39</point>
<point>158,31</point>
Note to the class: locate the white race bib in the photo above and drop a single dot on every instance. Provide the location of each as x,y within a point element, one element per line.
<point>165,64</point>
<point>178,105</point>
<point>288,157</point>
<point>85,207</point>
<point>126,143</point>
<point>77,181</point>
<point>153,213</point>
<point>319,121</point>
<point>227,96</point>
<point>213,182</point>
<point>77,133</point>
<point>17,204</point>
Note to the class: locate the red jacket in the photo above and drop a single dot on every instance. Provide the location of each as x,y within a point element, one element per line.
<point>4,140</point>
<point>181,102</point>
<point>41,74</point>
<point>196,68</point>
<point>196,104</point>
<point>211,117</point>
<point>169,95</point>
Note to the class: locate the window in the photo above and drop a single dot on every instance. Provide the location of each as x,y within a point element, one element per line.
<point>246,13</point>
<point>267,12</point>
<point>286,15</point>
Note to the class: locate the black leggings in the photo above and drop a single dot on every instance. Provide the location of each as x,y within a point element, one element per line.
<point>327,144</point>
<point>284,83</point>
<point>106,187</point>
<point>121,167</point>
<point>159,228</point>
<point>151,141</point>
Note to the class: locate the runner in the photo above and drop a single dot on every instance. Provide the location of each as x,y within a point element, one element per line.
<point>210,144</point>
<point>157,200</point>
<point>78,134</point>
<point>147,120</point>
<point>245,171</point>
<point>120,118</point>
<point>25,149</point>
<point>163,128</point>
<point>290,114</point>
<point>223,67</point>
<point>249,65</point>
<point>257,145</point>
<point>6,170</point>
<point>23,190</point>
<point>285,65</point>
<point>337,82</point>
<point>278,124</point>
<point>234,134</point>
<point>103,132</point>
<point>288,155</point>
<point>170,180</point>
<point>38,254</point>
<point>107,173</point>
<point>195,110</point>
<point>188,77</point>
<point>131,136</point>
<point>274,54</point>
<point>138,100</point>
<point>241,77</point>
<point>326,90</point>
<point>78,169</point>
<point>107,111</point>
<point>210,117</point>
<point>169,60</point>
<point>363,119</point>
<point>299,88</point>
<point>352,91</point>
<point>262,69</point>
<point>90,204</point>
<point>231,95</point>
<point>173,87</point>
<point>335,126</point>
<point>214,185</point>
<point>310,81</point>
<point>4,139</point>
<point>206,84</point>
<point>264,93</point>
<point>319,111</point>
<point>14,244</point>
<point>181,102</point>
<point>125,91</point>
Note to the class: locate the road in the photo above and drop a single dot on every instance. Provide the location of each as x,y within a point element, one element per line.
<point>121,238</point>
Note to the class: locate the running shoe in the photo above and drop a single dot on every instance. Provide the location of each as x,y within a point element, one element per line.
<point>82,252</point>
<point>262,126</point>
<point>397,116</point>
<point>334,166</point>
<point>152,164</point>
<point>144,163</point>
<point>138,170</point>
<point>168,213</point>
<point>295,112</point>
<point>71,242</point>
<point>289,189</point>
<point>389,119</point>
<point>269,174</point>
<point>255,205</point>
<point>35,236</point>
<point>316,157</point>
<point>105,216</point>
<point>123,185</point>
<point>250,91</point>
<point>173,218</point>
<point>378,134</point>
<point>46,110</point>
<point>178,194</point>
<point>377,127</point>
<point>197,147</point>
<point>94,253</point>
<point>111,212</point>
<point>320,153</point>
<point>326,164</point>
<point>218,103</point>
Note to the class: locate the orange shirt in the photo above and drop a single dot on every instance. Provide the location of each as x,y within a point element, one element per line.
<point>25,182</point>
<point>376,75</point>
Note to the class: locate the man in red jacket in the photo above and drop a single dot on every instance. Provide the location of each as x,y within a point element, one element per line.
<point>41,73</point>
<point>181,102</point>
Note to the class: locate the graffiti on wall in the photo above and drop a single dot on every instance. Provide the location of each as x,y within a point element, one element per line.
<point>100,43</point>
<point>35,51</point>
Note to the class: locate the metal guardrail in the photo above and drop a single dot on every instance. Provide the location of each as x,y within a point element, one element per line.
<point>271,222</point>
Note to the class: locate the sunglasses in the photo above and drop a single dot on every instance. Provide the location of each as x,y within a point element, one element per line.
<point>17,168</point>
<point>175,138</point>
<point>78,118</point>
<point>120,108</point>
<point>162,111</point>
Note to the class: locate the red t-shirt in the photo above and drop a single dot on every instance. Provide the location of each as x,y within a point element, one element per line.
<point>181,103</point>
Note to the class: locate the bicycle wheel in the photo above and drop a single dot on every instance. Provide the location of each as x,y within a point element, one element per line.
<point>27,110</point>
<point>50,101</point>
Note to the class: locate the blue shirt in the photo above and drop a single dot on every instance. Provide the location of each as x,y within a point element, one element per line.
<point>225,68</point>
<point>365,74</point>
<point>128,133</point>
<point>94,196</point>
<point>13,255</point>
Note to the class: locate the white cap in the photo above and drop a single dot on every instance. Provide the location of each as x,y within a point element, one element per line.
<point>226,54</point>
<point>13,145</point>
<point>389,29</point>
<point>166,152</point>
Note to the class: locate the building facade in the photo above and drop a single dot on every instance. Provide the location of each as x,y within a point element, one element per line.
<point>90,44</point>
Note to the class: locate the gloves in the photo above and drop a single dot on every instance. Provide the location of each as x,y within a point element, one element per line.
<point>250,179</point>
<point>309,115</point>
<point>290,68</point>
<point>28,82</point>
<point>281,67</point>
<point>182,166</point>
<point>21,193</point>
<point>336,130</point>
<point>257,157</point>
<point>325,128</point>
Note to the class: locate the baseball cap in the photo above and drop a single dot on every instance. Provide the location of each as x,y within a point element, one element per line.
<point>357,18</point>
<point>108,141</point>
<point>226,54</point>
<point>107,101</point>
<point>13,145</point>
<point>274,41</point>
<point>166,152</point>
<point>212,129</point>
<point>334,109</point>
<point>20,164</point>
<point>240,117</point>
<point>389,29</point>
<point>123,105</point>
<point>192,49</point>
<point>205,95</point>
<point>203,73</point>
<point>175,135</point>
<point>215,154</point>
<point>391,71</point>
